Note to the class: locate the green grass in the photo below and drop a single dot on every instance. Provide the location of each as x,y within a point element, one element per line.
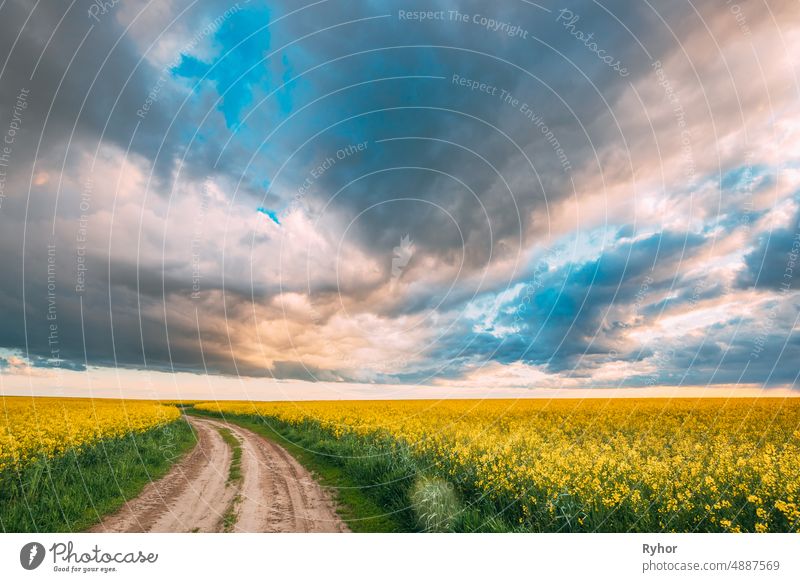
<point>235,472</point>
<point>234,476</point>
<point>363,505</point>
<point>381,485</point>
<point>73,491</point>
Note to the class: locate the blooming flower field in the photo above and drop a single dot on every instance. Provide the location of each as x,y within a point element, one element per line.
<point>590,465</point>
<point>36,427</point>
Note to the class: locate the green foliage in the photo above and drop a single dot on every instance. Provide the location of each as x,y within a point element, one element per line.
<point>435,504</point>
<point>342,466</point>
<point>71,492</point>
<point>234,476</point>
<point>235,471</point>
<point>381,486</point>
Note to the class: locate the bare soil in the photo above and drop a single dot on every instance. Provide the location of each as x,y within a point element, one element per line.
<point>275,494</point>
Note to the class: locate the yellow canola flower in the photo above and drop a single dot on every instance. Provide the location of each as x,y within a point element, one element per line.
<point>664,464</point>
<point>36,427</point>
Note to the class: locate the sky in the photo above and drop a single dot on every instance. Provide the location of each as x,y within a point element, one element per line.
<point>380,199</point>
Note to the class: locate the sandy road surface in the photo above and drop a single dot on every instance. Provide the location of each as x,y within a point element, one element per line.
<point>275,494</point>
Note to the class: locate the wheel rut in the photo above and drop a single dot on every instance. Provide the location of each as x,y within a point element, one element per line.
<point>275,494</point>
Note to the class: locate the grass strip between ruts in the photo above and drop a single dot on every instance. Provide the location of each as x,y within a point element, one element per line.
<point>356,504</point>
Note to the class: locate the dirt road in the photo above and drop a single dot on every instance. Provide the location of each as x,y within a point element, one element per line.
<point>274,494</point>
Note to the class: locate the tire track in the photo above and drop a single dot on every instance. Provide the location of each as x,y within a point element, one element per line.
<point>278,494</point>
<point>193,496</point>
<point>275,494</point>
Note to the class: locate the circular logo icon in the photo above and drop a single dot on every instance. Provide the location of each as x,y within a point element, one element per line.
<point>31,555</point>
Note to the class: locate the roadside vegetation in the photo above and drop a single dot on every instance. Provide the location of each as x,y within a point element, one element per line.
<point>363,509</point>
<point>234,477</point>
<point>72,490</point>
<point>379,485</point>
<point>648,465</point>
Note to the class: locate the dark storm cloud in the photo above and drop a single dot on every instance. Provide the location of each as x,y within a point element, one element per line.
<point>88,82</point>
<point>301,371</point>
<point>573,318</point>
<point>758,351</point>
<point>577,311</point>
<point>435,111</point>
<point>83,76</point>
<point>773,263</point>
<point>581,310</point>
<point>688,294</point>
<point>91,77</point>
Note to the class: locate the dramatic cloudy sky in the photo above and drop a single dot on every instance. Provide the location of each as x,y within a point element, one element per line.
<point>344,198</point>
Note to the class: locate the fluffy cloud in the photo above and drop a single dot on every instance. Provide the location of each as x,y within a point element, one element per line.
<point>451,202</point>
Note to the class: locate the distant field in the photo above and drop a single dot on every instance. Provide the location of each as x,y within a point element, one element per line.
<point>466,465</point>
<point>64,462</point>
<point>557,465</point>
